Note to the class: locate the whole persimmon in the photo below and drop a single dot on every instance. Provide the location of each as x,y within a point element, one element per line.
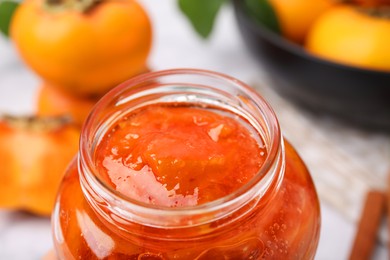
<point>54,101</point>
<point>85,47</point>
<point>296,16</point>
<point>34,153</point>
<point>353,36</point>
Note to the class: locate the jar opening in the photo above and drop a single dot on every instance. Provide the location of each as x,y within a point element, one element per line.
<point>196,88</point>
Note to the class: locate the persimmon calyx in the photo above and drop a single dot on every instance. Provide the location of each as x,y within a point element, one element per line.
<point>34,123</point>
<point>81,6</point>
<point>376,12</point>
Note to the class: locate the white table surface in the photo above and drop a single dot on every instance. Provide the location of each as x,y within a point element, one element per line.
<point>23,236</point>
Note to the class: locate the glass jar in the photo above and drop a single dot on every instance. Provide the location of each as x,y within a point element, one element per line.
<point>275,215</point>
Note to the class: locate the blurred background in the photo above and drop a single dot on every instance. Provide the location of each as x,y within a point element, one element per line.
<point>346,152</point>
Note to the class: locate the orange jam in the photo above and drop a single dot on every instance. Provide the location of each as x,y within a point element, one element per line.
<point>177,156</point>
<point>185,165</point>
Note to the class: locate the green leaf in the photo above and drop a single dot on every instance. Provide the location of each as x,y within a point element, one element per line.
<point>7,9</point>
<point>201,13</point>
<point>263,12</point>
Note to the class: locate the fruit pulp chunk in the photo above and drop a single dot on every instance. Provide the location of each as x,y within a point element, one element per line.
<point>178,156</point>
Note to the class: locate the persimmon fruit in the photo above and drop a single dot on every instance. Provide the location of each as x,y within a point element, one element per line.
<point>354,36</point>
<point>34,153</point>
<point>85,47</point>
<point>296,16</point>
<point>54,101</point>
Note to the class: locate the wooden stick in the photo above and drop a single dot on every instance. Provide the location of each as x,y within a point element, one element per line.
<point>388,213</point>
<point>370,220</point>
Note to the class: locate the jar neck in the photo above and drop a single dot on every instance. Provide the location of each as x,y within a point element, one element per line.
<point>200,88</point>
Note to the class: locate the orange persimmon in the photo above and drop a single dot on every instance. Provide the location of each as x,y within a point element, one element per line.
<point>53,101</point>
<point>352,36</point>
<point>85,47</point>
<point>296,16</point>
<point>34,153</point>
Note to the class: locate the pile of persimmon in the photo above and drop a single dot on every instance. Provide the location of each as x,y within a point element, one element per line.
<point>80,49</point>
<point>351,32</point>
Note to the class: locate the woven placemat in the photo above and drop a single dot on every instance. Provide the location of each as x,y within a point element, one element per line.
<point>345,162</point>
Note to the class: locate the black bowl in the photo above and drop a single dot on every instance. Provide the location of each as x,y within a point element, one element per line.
<point>357,95</point>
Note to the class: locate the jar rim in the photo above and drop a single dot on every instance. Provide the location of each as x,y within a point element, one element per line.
<point>87,168</point>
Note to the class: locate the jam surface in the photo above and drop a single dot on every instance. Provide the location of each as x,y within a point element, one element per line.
<point>179,156</point>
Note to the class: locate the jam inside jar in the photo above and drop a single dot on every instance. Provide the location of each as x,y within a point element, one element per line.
<point>185,164</point>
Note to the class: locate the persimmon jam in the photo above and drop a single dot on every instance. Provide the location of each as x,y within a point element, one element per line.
<point>185,164</point>
<point>179,156</point>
